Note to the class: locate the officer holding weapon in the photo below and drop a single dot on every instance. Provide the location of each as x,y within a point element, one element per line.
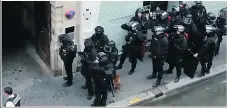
<point>67,52</point>
<point>159,49</point>
<point>88,56</point>
<point>101,79</point>
<point>99,38</point>
<point>131,49</point>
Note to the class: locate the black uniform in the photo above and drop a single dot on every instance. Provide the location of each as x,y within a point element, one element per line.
<point>112,52</point>
<point>177,48</point>
<point>191,30</point>
<point>67,53</point>
<point>132,48</point>
<point>222,26</point>
<point>207,52</point>
<point>101,79</point>
<point>89,56</point>
<point>159,49</point>
<point>161,20</point>
<point>99,38</point>
<point>142,20</point>
<point>198,12</point>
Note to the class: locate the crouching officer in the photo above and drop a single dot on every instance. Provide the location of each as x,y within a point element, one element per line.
<point>112,52</point>
<point>101,79</point>
<point>13,100</point>
<point>159,51</point>
<point>99,38</point>
<point>89,56</point>
<point>222,26</point>
<point>67,53</point>
<point>207,51</point>
<point>177,48</point>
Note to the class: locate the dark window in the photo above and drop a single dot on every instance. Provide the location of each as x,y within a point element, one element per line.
<point>146,3</point>
<point>69,29</point>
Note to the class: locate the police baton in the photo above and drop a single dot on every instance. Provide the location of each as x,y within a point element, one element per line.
<point>112,89</point>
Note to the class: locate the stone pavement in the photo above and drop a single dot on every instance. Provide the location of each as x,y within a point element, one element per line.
<point>36,89</point>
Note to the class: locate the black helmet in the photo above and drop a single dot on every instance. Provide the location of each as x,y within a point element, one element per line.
<point>65,40</point>
<point>198,3</point>
<point>99,30</point>
<point>88,43</point>
<point>223,13</point>
<point>102,58</point>
<point>187,19</point>
<point>139,10</point>
<point>211,18</point>
<point>108,47</point>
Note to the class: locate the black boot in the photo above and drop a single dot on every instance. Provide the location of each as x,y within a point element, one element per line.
<point>89,97</point>
<point>201,74</point>
<point>207,71</point>
<point>68,83</point>
<point>157,83</point>
<point>168,72</point>
<point>119,66</point>
<point>151,76</point>
<point>131,72</point>
<point>177,79</point>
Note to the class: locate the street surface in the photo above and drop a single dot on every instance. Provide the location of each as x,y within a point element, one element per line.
<point>208,93</point>
<point>22,73</point>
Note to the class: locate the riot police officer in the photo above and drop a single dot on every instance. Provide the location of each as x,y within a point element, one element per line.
<point>131,49</point>
<point>67,52</point>
<point>198,11</point>
<point>191,30</point>
<point>177,48</point>
<point>101,79</point>
<point>183,11</point>
<point>207,51</point>
<point>112,51</point>
<point>159,49</point>
<point>88,57</point>
<point>161,20</point>
<point>222,26</point>
<point>99,38</point>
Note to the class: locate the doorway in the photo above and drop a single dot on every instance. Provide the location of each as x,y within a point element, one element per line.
<point>26,24</point>
<point>42,30</point>
<point>154,4</point>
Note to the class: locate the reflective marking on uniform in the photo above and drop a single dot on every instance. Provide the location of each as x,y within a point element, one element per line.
<point>16,100</point>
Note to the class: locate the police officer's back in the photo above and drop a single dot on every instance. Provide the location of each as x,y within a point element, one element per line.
<point>101,79</point>
<point>13,100</point>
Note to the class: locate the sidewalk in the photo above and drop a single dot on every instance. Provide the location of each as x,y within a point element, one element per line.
<point>37,89</point>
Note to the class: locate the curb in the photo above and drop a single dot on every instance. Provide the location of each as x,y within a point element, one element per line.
<point>164,90</point>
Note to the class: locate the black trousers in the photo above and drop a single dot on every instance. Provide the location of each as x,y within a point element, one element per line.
<point>68,68</point>
<point>132,58</point>
<point>100,95</point>
<point>86,73</point>
<point>158,64</point>
<point>204,60</point>
<point>178,67</point>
